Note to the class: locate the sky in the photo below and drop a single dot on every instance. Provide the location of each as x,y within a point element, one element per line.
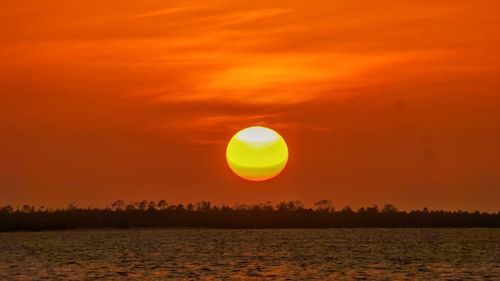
<point>379,101</point>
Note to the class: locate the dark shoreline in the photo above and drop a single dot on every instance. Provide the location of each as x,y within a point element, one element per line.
<point>159,228</point>
<point>284,216</point>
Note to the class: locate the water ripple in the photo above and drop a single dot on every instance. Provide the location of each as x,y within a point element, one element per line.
<point>281,254</point>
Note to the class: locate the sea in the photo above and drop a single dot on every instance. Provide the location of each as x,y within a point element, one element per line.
<point>252,254</point>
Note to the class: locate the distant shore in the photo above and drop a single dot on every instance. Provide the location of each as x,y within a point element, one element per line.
<point>291,214</point>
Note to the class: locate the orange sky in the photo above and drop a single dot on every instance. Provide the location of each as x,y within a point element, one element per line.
<point>380,102</point>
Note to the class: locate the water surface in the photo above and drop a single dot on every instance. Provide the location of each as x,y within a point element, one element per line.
<point>280,254</point>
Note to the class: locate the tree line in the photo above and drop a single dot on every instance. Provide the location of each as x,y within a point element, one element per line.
<point>291,214</point>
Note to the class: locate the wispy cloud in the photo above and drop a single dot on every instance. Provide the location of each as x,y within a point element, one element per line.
<point>166,12</point>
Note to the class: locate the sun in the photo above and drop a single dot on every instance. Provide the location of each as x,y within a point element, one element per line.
<point>257,153</point>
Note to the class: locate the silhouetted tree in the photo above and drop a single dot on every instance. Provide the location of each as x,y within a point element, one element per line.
<point>294,205</point>
<point>324,205</point>
<point>389,208</point>
<point>71,206</point>
<point>7,209</point>
<point>267,206</point>
<point>162,204</point>
<point>117,205</point>
<point>347,209</point>
<point>152,206</point>
<point>28,209</point>
<point>372,210</point>
<point>203,206</point>
<point>142,205</point>
<point>282,207</point>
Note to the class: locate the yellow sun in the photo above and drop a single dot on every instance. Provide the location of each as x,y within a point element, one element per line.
<point>257,153</point>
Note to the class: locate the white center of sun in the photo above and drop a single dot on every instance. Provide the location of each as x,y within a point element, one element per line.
<point>257,134</point>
